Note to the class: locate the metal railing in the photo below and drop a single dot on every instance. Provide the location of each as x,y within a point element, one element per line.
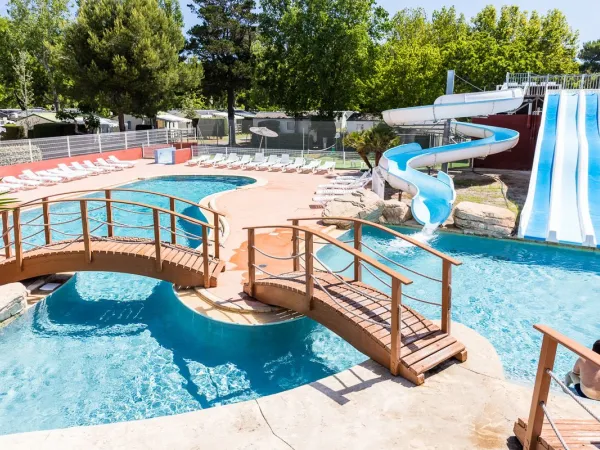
<point>538,85</point>
<point>77,145</point>
<point>543,379</point>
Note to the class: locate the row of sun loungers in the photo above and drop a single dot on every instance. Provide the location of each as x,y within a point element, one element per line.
<point>341,186</point>
<point>63,173</point>
<point>259,162</point>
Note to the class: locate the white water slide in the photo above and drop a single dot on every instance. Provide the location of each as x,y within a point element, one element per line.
<point>433,197</point>
<point>563,202</point>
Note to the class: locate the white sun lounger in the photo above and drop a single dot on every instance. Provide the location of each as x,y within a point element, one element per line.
<point>87,164</point>
<point>245,159</point>
<point>271,161</point>
<point>324,199</point>
<point>29,175</point>
<point>231,158</point>
<point>259,158</point>
<point>215,159</point>
<point>67,169</point>
<point>345,187</point>
<point>5,188</point>
<point>298,162</point>
<point>328,166</point>
<point>112,159</point>
<point>283,163</point>
<point>196,161</point>
<point>310,166</point>
<point>17,184</point>
<point>351,179</point>
<point>92,170</point>
<point>68,176</point>
<point>336,191</point>
<point>14,180</point>
<point>100,162</point>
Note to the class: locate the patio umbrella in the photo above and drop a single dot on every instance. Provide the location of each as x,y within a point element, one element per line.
<point>263,132</point>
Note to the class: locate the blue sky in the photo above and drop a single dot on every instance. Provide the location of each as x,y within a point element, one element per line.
<point>581,14</point>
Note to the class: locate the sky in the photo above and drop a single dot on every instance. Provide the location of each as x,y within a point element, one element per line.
<point>581,14</point>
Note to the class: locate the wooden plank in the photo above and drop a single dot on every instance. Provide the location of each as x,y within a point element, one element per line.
<point>46,219</point>
<point>429,348</point>
<point>437,358</point>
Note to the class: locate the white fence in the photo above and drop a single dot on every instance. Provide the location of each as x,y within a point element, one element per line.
<point>67,146</point>
<point>536,85</point>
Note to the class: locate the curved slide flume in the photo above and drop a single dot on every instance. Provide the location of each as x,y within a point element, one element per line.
<point>433,197</point>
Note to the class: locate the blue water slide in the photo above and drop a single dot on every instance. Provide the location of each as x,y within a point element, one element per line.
<point>534,219</point>
<point>592,131</point>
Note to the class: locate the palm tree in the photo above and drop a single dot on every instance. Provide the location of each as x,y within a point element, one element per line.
<point>5,202</point>
<point>374,140</point>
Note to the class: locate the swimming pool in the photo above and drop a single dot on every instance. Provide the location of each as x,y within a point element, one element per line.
<point>501,290</point>
<point>112,347</point>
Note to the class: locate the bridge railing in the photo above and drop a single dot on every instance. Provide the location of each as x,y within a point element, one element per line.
<point>543,379</point>
<point>88,219</point>
<point>312,271</point>
<point>447,262</point>
<point>215,235</point>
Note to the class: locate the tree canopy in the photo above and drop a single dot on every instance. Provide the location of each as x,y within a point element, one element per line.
<point>590,57</point>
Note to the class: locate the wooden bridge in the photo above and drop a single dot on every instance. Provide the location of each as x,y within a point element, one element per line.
<point>375,322</point>
<point>101,242</point>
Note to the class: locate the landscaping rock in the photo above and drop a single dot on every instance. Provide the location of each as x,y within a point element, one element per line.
<point>13,299</point>
<point>395,212</point>
<point>484,220</point>
<point>362,204</point>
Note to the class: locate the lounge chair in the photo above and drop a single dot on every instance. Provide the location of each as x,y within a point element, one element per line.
<point>92,170</point>
<point>328,166</point>
<point>102,163</point>
<point>5,188</point>
<point>259,158</point>
<point>82,173</point>
<point>17,185</point>
<point>231,158</point>
<point>112,159</point>
<point>29,175</point>
<point>14,180</point>
<point>298,162</point>
<point>196,161</point>
<point>324,199</point>
<point>310,166</point>
<point>336,191</point>
<point>87,164</point>
<point>283,162</point>
<point>215,159</point>
<point>351,179</point>
<point>68,176</point>
<point>245,159</point>
<point>345,187</point>
<point>270,162</point>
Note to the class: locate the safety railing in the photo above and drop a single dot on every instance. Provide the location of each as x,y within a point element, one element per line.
<point>447,262</point>
<point>89,220</point>
<point>543,379</point>
<point>314,271</point>
<point>537,85</point>
<point>216,229</point>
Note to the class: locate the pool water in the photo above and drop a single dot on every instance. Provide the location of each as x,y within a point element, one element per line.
<point>501,290</point>
<point>110,347</point>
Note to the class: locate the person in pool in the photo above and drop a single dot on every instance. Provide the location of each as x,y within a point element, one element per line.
<point>586,377</point>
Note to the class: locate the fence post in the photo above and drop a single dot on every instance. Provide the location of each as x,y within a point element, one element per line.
<point>295,246</point>
<point>46,218</point>
<point>540,393</point>
<point>173,221</point>
<point>86,231</point>
<point>147,137</point>
<point>17,236</point>
<point>358,247</point>
<point>100,143</point>
<point>69,146</point>
<point>157,247</point>
<point>108,196</point>
<point>446,296</point>
<point>251,262</point>
<point>167,135</point>
<point>5,235</point>
<point>125,140</point>
<point>217,233</point>
<point>308,264</point>
<point>396,326</point>
<point>30,150</point>
<point>205,255</point>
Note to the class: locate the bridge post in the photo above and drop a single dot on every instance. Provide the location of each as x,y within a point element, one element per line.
<point>173,221</point>
<point>109,219</point>
<point>46,215</point>
<point>17,235</point>
<point>295,247</point>
<point>251,262</point>
<point>217,233</point>
<point>357,246</point>
<point>157,247</point>
<point>396,331</point>
<point>85,231</point>
<point>206,260</point>
<point>309,263</point>
<point>5,236</point>
<point>446,296</point>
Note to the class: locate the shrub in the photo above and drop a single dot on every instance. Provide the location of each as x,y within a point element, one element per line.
<point>13,132</point>
<point>19,153</point>
<point>44,130</point>
<point>143,127</point>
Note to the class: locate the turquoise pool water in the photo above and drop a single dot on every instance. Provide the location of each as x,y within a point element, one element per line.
<point>112,347</point>
<point>501,290</point>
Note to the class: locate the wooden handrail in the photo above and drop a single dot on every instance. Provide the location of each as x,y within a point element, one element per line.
<point>541,389</point>
<point>372,262</point>
<point>405,237</point>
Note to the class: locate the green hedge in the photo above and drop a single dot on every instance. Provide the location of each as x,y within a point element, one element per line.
<point>13,132</point>
<point>45,130</point>
<point>19,153</point>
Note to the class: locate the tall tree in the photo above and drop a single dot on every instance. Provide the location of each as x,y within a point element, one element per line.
<point>124,55</point>
<point>38,26</point>
<point>590,57</point>
<point>318,53</point>
<point>223,42</point>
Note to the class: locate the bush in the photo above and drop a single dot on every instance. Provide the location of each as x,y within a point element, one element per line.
<point>143,127</point>
<point>13,132</point>
<point>19,153</point>
<point>45,130</point>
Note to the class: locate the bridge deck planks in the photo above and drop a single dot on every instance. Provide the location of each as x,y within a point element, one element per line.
<point>423,344</point>
<point>578,434</point>
<point>182,258</point>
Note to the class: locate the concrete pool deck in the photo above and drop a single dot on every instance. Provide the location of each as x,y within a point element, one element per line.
<point>461,406</point>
